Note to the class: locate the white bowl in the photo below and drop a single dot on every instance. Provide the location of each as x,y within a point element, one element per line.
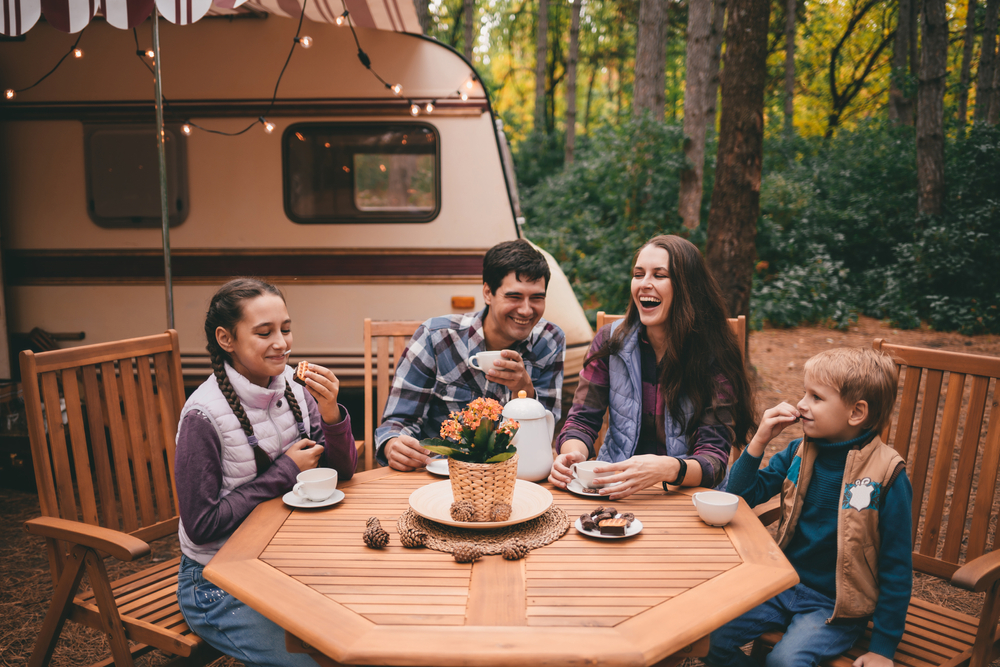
<point>716,508</point>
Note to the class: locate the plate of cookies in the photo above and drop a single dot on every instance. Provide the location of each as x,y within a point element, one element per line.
<point>608,523</point>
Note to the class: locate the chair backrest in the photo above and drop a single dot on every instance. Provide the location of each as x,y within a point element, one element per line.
<point>385,340</point>
<point>737,324</point>
<point>947,427</point>
<point>119,403</point>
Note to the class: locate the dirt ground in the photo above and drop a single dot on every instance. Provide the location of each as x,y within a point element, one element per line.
<point>777,356</point>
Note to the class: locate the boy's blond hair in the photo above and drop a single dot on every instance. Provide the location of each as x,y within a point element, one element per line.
<point>860,374</point>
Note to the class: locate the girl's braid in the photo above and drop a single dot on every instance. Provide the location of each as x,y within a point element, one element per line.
<point>292,403</point>
<point>218,367</point>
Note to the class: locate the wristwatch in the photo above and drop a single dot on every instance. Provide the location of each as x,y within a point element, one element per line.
<point>681,474</point>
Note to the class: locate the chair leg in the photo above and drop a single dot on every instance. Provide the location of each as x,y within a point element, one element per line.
<point>982,650</point>
<point>110,617</point>
<point>62,598</point>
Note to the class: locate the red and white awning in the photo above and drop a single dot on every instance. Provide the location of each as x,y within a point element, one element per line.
<point>19,16</point>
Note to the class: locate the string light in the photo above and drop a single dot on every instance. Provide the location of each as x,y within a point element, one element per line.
<point>268,125</point>
<point>430,106</point>
<point>305,42</point>
<point>343,17</point>
<point>149,54</point>
<point>464,95</point>
<point>10,93</point>
<point>186,129</point>
<point>396,89</point>
<point>414,109</point>
<point>77,53</point>
<point>468,84</point>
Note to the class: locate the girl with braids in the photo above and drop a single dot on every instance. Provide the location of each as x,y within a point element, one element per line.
<point>671,377</point>
<point>244,435</point>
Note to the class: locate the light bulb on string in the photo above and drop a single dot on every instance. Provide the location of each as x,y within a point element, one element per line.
<point>78,53</point>
<point>305,41</point>
<point>396,88</point>
<point>430,107</point>
<point>150,54</point>
<point>268,125</point>
<point>340,19</point>
<point>10,93</point>
<point>468,84</point>
<point>414,109</point>
<point>186,129</point>
<point>464,95</point>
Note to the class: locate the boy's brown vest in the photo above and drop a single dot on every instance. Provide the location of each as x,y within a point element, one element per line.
<point>869,472</point>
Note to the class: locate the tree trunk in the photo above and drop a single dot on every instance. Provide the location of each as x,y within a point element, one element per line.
<point>970,41</point>
<point>699,59</point>
<point>590,96</point>
<point>732,220</point>
<point>930,108</point>
<point>650,59</point>
<point>712,94</point>
<point>423,15</point>
<point>900,101</point>
<point>993,117</point>
<point>987,62</point>
<point>470,15</point>
<point>571,61</point>
<point>541,52</point>
<point>790,67</point>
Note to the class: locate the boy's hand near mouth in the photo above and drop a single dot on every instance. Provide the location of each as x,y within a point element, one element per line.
<point>774,421</point>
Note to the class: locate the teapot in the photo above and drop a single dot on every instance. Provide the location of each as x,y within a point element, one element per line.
<point>533,438</point>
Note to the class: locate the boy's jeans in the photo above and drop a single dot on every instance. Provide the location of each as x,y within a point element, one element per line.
<point>231,626</point>
<point>801,612</point>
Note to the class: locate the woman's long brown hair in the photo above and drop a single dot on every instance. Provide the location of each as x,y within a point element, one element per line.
<point>701,349</point>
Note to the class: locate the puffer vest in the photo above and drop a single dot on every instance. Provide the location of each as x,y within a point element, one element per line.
<point>625,407</point>
<point>868,473</point>
<point>274,427</point>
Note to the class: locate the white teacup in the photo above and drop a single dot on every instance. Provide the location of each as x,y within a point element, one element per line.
<point>316,484</point>
<point>583,471</point>
<point>484,361</point>
<point>716,508</point>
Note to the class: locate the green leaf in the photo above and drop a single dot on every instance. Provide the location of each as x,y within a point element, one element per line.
<point>483,432</point>
<point>500,457</point>
<point>440,449</point>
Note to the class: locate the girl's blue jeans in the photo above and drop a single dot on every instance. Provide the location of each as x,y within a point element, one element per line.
<point>801,613</point>
<point>231,626</point>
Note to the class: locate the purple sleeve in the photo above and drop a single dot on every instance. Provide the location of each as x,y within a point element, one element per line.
<point>711,451</point>
<point>590,402</point>
<point>198,470</point>
<point>339,451</point>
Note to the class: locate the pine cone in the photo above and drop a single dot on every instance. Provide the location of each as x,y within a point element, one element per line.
<point>515,550</point>
<point>412,538</point>
<point>373,520</point>
<point>466,553</point>
<point>375,537</point>
<point>462,510</point>
<point>500,512</point>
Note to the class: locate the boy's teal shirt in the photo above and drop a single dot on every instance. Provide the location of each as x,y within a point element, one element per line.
<point>813,548</point>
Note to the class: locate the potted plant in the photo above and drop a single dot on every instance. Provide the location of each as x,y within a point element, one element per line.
<point>482,462</point>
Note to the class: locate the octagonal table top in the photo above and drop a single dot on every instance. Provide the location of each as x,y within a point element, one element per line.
<point>631,602</point>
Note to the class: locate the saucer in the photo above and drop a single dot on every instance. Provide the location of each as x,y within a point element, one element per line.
<point>577,488</point>
<point>438,467</point>
<point>433,502</point>
<point>295,501</point>
<point>634,529</point>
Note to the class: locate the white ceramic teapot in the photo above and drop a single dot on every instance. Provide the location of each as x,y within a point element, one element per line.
<point>534,437</point>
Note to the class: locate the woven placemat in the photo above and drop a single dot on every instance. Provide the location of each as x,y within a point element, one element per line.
<point>537,532</point>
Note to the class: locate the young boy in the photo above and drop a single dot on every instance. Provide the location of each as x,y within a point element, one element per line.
<point>845,519</point>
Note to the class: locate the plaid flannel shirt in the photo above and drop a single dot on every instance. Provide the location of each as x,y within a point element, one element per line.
<point>434,377</point>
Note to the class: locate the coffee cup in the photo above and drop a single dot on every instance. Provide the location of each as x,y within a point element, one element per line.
<point>583,471</point>
<point>484,361</point>
<point>716,508</point>
<point>316,484</point>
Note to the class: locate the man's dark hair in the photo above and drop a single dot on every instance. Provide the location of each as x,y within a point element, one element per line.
<point>519,257</point>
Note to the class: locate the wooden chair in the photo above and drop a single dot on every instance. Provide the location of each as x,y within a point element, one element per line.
<point>109,489</point>
<point>380,336</point>
<point>737,324</point>
<point>952,449</point>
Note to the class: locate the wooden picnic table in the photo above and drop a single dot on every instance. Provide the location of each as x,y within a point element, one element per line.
<point>645,600</point>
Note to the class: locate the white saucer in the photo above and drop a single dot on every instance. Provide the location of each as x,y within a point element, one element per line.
<point>634,529</point>
<point>295,501</point>
<point>577,488</point>
<point>438,467</point>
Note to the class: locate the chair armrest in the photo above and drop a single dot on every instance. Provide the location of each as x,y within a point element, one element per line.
<point>122,546</point>
<point>979,574</point>
<point>769,512</point>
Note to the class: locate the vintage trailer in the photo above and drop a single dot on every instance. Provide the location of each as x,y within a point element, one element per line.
<point>357,202</point>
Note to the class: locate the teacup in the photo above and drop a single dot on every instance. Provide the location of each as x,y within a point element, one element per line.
<point>316,484</point>
<point>484,361</point>
<point>583,471</point>
<point>716,508</point>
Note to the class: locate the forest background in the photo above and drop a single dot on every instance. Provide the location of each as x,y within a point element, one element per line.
<point>858,171</point>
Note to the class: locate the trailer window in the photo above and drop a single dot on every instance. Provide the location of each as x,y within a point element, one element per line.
<point>361,172</point>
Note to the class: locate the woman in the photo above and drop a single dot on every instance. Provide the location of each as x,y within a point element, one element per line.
<point>671,374</point>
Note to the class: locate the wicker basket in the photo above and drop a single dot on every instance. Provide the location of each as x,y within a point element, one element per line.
<point>483,484</point>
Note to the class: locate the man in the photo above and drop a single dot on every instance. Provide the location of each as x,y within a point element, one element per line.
<point>434,377</point>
